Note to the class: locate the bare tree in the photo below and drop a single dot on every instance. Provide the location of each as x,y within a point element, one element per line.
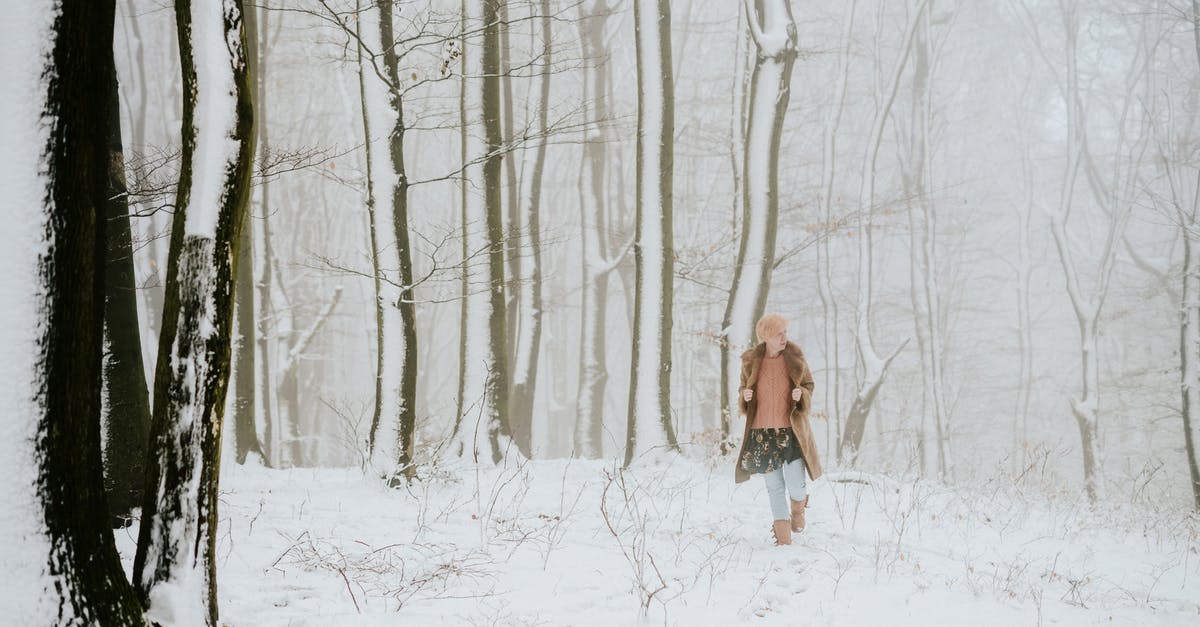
<point>60,562</point>
<point>528,236</point>
<point>598,258</point>
<point>483,427</point>
<point>825,281</point>
<point>392,428</point>
<point>245,430</point>
<point>924,288</point>
<point>874,365</point>
<point>175,566</point>
<point>773,30</point>
<point>1113,194</point>
<point>649,424</point>
<point>1189,333</point>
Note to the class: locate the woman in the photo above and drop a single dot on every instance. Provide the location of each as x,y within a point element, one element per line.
<point>776,394</point>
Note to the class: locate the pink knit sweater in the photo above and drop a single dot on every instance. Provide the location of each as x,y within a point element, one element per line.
<point>773,393</point>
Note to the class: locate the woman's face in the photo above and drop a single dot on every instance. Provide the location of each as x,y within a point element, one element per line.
<point>778,341</point>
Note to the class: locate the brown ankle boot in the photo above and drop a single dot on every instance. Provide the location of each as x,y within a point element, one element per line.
<point>782,531</point>
<point>798,514</point>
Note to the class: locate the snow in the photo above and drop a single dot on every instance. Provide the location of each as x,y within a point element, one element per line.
<point>25,44</point>
<point>530,544</point>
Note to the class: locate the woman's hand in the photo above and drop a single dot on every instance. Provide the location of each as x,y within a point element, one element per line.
<point>747,394</point>
<point>796,394</point>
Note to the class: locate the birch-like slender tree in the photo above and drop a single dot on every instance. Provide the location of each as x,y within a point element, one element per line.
<point>392,429</point>
<point>874,366</point>
<point>826,290</point>
<point>60,563</point>
<point>245,430</point>
<point>924,291</point>
<point>649,424</point>
<point>262,266</point>
<point>1112,193</point>
<point>482,429</point>
<point>773,31</point>
<point>527,237</point>
<point>598,261</point>
<point>175,566</point>
<point>1188,216</point>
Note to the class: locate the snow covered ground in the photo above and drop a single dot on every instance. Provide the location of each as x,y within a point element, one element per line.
<point>674,542</point>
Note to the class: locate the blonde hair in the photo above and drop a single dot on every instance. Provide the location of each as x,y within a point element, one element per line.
<point>770,325</point>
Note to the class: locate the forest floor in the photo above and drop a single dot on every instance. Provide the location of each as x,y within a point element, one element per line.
<point>675,542</point>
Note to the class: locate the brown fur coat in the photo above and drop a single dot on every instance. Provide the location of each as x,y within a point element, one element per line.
<point>801,377</point>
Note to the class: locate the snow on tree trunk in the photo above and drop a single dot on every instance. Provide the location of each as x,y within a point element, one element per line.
<point>874,366</point>
<point>1088,304</point>
<point>529,316</point>
<point>593,202</point>
<point>482,429</point>
<point>175,566</point>
<point>59,560</point>
<point>770,91</point>
<point>391,436</point>
<point>649,423</point>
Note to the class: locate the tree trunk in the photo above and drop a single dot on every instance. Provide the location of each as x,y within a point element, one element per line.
<point>529,284</point>
<point>59,559</point>
<point>486,428</point>
<point>126,406</point>
<point>264,260</point>
<point>826,289</point>
<point>175,565</point>
<point>593,204</point>
<point>1189,332</point>
<point>649,423</point>
<point>512,203</point>
<point>391,437</point>
<point>245,431</point>
<point>774,33</point>
<point>924,291</point>
<point>874,367</point>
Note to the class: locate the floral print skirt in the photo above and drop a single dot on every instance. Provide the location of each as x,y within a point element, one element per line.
<point>769,449</point>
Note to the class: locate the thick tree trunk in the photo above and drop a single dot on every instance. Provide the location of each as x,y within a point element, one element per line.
<point>774,33</point>
<point>649,422</point>
<point>126,406</point>
<point>175,565</point>
<point>60,564</point>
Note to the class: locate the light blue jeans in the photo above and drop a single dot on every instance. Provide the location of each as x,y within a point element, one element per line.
<point>782,481</point>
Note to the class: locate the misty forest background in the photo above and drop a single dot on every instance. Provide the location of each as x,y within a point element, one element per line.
<point>440,239</point>
<point>983,229</point>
